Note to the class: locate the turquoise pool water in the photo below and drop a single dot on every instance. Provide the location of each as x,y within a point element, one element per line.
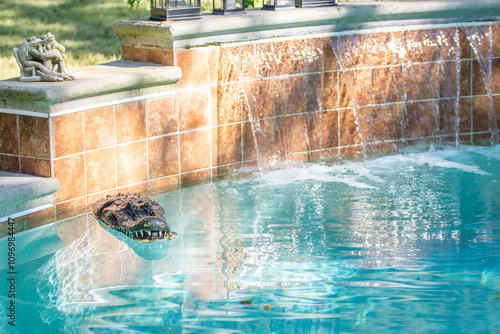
<point>395,244</point>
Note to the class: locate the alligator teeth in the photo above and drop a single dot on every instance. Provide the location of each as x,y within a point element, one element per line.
<point>149,233</point>
<point>141,234</point>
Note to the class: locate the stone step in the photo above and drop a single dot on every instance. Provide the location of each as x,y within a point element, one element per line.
<point>22,194</point>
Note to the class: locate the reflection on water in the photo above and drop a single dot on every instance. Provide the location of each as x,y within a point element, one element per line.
<point>406,241</point>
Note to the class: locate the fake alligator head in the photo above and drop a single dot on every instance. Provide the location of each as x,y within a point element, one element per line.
<point>138,217</point>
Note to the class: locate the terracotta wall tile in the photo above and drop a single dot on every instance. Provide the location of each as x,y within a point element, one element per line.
<point>481,139</point>
<point>18,226</point>
<point>330,90</point>
<point>348,132</point>
<point>134,53</point>
<point>330,61</point>
<point>40,218</point>
<point>330,154</point>
<point>160,56</point>
<point>481,106</point>
<point>228,103</point>
<point>496,39</point>
<point>249,152</point>
<point>194,66</point>
<point>67,131</point>
<point>358,87</point>
<point>313,55</point>
<point>447,44</point>
<point>313,89</point>
<point>351,152</point>
<point>381,122</point>
<point>265,136</point>
<point>9,163</point>
<point>194,108</point>
<point>262,92</point>
<point>131,163</point>
<point>330,124</point>
<point>8,134</point>
<point>465,115</point>
<point>417,49</point>
<point>228,144</point>
<point>34,136</point>
<point>481,82</point>
<point>37,167</point>
<point>379,47</point>
<point>297,96</point>
<point>162,116</point>
<point>163,185</point>
<point>195,150</point>
<point>130,121</point>
<point>163,156</point>
<point>448,116</point>
<point>100,170</point>
<point>290,57</point>
<point>495,76</point>
<point>248,66</point>
<point>465,78</point>
<point>496,104</point>
<point>422,81</point>
<point>345,95</point>
<point>387,85</point>
<point>99,127</point>
<point>197,178</point>
<point>141,188</point>
<point>71,208</point>
<point>465,48</point>
<point>230,65</point>
<point>70,172</point>
<point>213,64</point>
<point>421,119</point>
<point>265,61</point>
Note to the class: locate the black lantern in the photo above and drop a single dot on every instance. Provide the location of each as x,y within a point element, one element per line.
<point>314,3</point>
<point>163,10</point>
<point>224,7</point>
<point>278,4</point>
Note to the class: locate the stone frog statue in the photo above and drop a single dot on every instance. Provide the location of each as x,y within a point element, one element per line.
<point>42,59</point>
<point>138,217</point>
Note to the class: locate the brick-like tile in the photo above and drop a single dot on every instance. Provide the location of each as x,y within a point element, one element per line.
<point>228,103</point>
<point>482,106</point>
<point>465,115</point>
<point>9,163</point>
<point>420,46</point>
<point>465,78</point>
<point>8,134</point>
<point>421,119</point>
<point>330,90</point>
<point>330,126</point>
<point>230,63</point>
<point>37,167</point>
<point>194,66</point>
<point>131,163</point>
<point>313,55</point>
<point>465,48</point>
<point>330,61</point>
<point>348,132</point>
<point>71,208</point>
<point>381,122</point>
<point>195,150</point>
<point>162,116</point>
<point>163,155</point>
<point>161,56</point>
<point>130,121</point>
<point>134,53</point>
<point>213,64</point>
<point>141,188</point>
<point>99,127</point>
<point>387,85</point>
<point>422,81</point>
<point>196,178</point>
<point>163,185</point>
<point>448,117</point>
<point>67,131</point>
<point>194,108</point>
<point>249,152</point>
<point>290,56</point>
<point>34,136</point>
<point>265,61</point>
<point>313,89</point>
<point>93,198</point>
<point>248,68</point>
<point>40,218</point>
<point>70,172</point>
<point>228,144</point>
<point>100,170</point>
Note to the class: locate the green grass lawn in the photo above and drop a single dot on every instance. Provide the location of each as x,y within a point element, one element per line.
<point>84,27</point>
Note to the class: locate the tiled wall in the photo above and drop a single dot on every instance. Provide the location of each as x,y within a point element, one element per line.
<point>240,104</point>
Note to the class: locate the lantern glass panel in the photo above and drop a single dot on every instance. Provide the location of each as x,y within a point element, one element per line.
<point>268,3</point>
<point>218,5</point>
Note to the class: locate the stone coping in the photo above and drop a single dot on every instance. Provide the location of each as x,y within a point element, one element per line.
<point>21,194</point>
<point>96,86</point>
<point>256,24</point>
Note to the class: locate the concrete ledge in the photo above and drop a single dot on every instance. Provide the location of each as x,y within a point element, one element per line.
<point>96,86</point>
<point>265,24</point>
<point>21,194</point>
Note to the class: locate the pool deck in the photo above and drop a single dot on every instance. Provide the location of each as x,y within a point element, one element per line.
<point>22,194</point>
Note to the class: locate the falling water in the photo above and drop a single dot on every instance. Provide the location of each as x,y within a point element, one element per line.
<point>481,41</point>
<point>404,89</point>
